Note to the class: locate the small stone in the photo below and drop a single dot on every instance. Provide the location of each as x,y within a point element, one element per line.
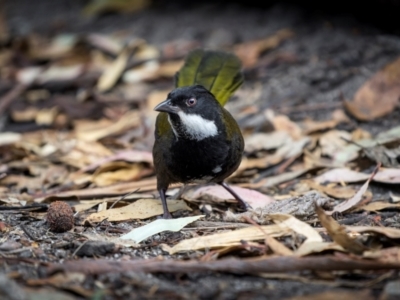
<point>60,217</point>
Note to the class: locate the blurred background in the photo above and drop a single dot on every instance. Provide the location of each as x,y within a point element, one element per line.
<point>94,70</point>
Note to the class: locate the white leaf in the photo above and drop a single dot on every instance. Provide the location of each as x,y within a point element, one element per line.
<point>142,233</point>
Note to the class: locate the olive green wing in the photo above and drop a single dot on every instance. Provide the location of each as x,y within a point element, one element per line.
<point>163,128</point>
<point>219,72</point>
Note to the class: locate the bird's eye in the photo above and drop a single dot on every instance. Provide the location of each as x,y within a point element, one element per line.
<point>191,102</point>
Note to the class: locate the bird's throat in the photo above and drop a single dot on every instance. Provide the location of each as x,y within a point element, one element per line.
<point>192,126</point>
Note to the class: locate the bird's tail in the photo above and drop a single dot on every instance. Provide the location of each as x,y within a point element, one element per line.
<point>219,72</point>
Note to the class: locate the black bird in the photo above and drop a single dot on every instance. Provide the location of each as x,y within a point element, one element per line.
<point>196,139</point>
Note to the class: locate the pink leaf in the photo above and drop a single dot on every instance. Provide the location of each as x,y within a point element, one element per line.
<point>254,198</point>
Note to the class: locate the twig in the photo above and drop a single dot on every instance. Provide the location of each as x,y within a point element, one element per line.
<point>79,248</point>
<point>272,264</point>
<point>123,197</point>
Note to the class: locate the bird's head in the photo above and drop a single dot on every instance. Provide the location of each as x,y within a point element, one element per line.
<point>193,112</point>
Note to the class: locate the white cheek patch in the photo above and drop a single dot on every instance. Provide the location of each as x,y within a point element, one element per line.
<point>196,127</point>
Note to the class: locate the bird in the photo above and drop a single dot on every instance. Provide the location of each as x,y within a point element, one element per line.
<point>196,139</point>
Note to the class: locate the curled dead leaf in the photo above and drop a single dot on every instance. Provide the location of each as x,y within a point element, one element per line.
<point>249,52</point>
<point>338,233</point>
<point>378,96</point>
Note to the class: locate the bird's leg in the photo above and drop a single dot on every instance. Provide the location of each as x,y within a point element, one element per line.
<point>242,203</point>
<point>167,214</point>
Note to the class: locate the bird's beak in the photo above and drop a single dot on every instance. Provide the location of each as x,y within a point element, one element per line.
<point>167,107</point>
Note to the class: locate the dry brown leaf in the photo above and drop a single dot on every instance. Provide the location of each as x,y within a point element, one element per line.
<point>392,233</point>
<point>277,247</point>
<point>87,204</point>
<point>290,149</point>
<point>266,141</point>
<point>338,233</point>
<point>333,141</point>
<point>388,175</point>
<point>140,209</point>
<point>60,46</point>
<point>384,175</point>
<point>312,236</point>
<point>84,154</point>
<point>389,255</point>
<point>23,182</point>
<point>46,116</point>
<point>105,42</point>
<point>258,163</point>
<point>28,75</point>
<point>360,134</point>
<point>26,115</point>
<point>114,172</point>
<point>95,130</point>
<point>249,52</point>
<point>227,239</point>
<point>356,199</point>
<point>283,123</point>
<point>379,205</point>
<point>378,96</point>
<point>126,155</point>
<point>113,72</point>
<point>297,226</point>
<point>146,71</point>
<point>317,247</point>
<point>147,52</point>
<point>57,73</point>
<point>148,184</point>
<point>394,198</point>
<point>314,159</point>
<point>339,192</point>
<point>341,175</point>
<point>309,125</point>
<point>102,206</point>
<point>169,68</point>
<point>351,151</point>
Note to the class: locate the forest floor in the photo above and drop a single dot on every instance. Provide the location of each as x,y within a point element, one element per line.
<point>319,110</point>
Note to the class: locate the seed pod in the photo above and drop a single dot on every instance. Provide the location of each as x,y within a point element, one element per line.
<point>60,217</point>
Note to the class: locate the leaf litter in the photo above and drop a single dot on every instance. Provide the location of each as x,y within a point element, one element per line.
<point>301,176</point>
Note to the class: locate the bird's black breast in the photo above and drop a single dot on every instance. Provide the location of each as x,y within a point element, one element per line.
<point>191,160</point>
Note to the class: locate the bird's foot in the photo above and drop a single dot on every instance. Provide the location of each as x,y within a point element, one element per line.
<point>243,205</point>
<point>167,215</point>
